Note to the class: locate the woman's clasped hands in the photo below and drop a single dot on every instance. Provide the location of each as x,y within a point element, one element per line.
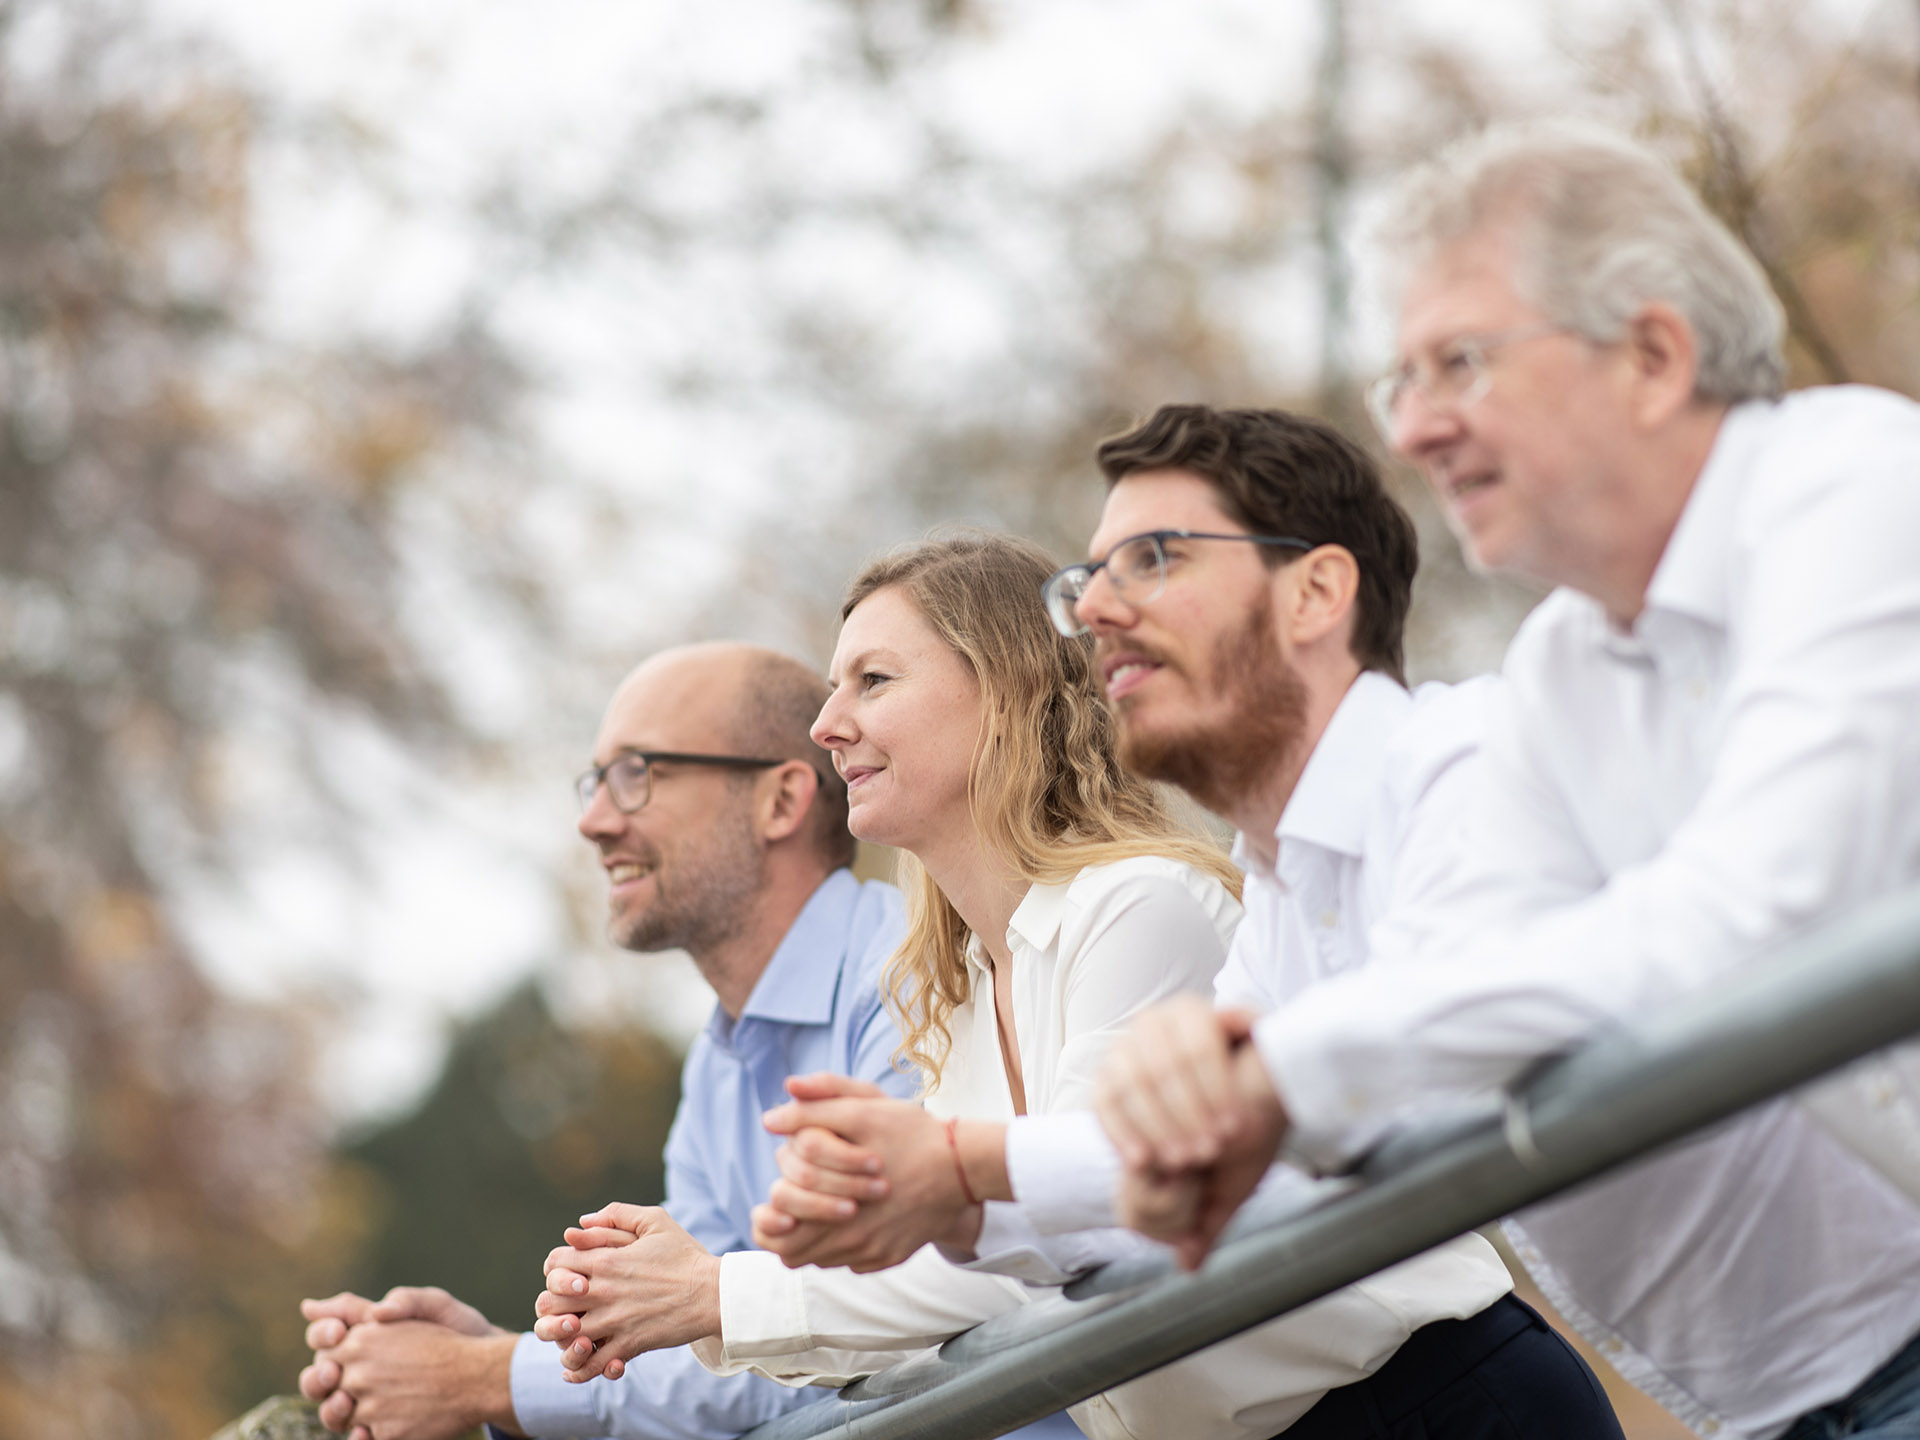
<point>629,1279</point>
<point>866,1179</point>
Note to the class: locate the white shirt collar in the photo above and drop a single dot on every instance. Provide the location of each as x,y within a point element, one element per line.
<point>1693,575</point>
<point>1330,803</point>
<point>1035,922</point>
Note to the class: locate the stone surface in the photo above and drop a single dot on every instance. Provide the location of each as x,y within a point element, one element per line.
<point>282,1418</point>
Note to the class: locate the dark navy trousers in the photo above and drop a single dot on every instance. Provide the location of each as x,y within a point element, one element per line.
<point>1503,1374</point>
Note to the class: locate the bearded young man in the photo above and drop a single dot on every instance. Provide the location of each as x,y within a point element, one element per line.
<point>1250,582</point>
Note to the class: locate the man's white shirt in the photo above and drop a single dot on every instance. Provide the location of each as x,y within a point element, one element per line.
<point>1659,804</point>
<point>1373,823</point>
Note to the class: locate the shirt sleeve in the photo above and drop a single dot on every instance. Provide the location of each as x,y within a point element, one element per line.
<point>1064,1170</point>
<point>827,1325</point>
<point>664,1395</point>
<point>1804,807</point>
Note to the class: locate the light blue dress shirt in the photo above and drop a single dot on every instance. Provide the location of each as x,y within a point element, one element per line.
<point>817,1007</point>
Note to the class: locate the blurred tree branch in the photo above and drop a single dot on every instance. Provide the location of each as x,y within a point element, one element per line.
<point>198,543</point>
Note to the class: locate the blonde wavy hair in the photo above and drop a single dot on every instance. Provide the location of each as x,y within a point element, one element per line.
<point>1045,789</point>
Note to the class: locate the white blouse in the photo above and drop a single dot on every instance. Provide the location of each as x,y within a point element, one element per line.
<point>1088,956</point>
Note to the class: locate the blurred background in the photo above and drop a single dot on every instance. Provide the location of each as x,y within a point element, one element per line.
<point>379,382</point>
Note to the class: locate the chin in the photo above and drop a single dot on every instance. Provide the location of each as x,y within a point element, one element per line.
<point>872,829</point>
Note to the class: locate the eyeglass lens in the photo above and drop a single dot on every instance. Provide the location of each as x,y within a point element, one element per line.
<point>629,782</point>
<point>1136,569</point>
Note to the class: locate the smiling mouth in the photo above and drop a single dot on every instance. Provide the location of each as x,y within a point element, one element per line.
<point>1128,675</point>
<point>1462,486</point>
<point>626,871</point>
<point>856,775</point>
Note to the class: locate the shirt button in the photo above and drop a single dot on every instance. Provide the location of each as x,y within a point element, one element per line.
<point>1329,919</point>
<point>1711,1427</point>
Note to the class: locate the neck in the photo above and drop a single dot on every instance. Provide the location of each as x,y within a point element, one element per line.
<point>982,893</point>
<point>1256,811</point>
<point>1668,469</point>
<point>734,965</point>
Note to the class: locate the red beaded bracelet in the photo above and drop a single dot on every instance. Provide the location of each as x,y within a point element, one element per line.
<point>953,1144</point>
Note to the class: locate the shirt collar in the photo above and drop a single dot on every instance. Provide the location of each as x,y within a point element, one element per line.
<point>1331,801</point>
<point>1694,572</point>
<point>800,981</point>
<point>1035,922</point>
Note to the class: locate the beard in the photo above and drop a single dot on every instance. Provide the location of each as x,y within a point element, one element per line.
<point>702,896</point>
<point>1260,719</point>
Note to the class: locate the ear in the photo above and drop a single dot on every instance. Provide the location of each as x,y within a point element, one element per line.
<point>785,799</point>
<point>1322,586</point>
<point>1663,354</point>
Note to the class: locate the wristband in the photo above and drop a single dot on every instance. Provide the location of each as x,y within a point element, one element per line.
<point>953,1144</point>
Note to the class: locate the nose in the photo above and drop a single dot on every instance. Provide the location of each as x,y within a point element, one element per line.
<point>601,820</point>
<point>1421,428</point>
<point>1101,609</point>
<point>833,726</point>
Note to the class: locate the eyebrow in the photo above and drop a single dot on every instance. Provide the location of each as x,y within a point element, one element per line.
<point>860,658</point>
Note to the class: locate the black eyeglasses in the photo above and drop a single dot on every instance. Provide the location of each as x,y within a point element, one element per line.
<point>1137,570</point>
<point>629,775</point>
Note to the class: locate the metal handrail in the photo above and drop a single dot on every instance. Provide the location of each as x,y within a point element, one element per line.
<point>1831,996</point>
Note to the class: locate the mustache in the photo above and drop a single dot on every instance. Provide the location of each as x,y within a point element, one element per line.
<point>1106,650</point>
<point>650,855</point>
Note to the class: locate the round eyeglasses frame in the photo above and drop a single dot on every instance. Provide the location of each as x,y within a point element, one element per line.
<point>1456,376</point>
<point>631,772</point>
<point>1136,568</point>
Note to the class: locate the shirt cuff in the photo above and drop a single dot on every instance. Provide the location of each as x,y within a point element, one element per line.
<point>543,1402</point>
<point>1330,1125</point>
<point>1064,1171</point>
<point>763,1308</point>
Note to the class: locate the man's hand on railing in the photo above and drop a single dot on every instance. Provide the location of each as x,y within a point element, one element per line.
<point>867,1179</point>
<point>1186,1101</point>
<point>629,1279</point>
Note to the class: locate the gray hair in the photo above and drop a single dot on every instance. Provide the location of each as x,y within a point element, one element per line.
<point>1601,227</point>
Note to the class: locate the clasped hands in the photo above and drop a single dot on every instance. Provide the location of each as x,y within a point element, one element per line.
<point>629,1279</point>
<point>866,1179</point>
<point>1183,1095</point>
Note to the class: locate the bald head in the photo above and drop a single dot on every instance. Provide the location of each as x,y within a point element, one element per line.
<point>730,698</point>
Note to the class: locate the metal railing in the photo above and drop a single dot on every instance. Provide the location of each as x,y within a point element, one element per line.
<point>1838,993</point>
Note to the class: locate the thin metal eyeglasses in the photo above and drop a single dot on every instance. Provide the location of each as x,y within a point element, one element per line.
<point>1455,376</point>
<point>629,775</point>
<point>1137,570</point>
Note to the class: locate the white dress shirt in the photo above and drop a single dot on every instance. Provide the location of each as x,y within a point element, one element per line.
<point>1373,823</point>
<point>1660,804</point>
